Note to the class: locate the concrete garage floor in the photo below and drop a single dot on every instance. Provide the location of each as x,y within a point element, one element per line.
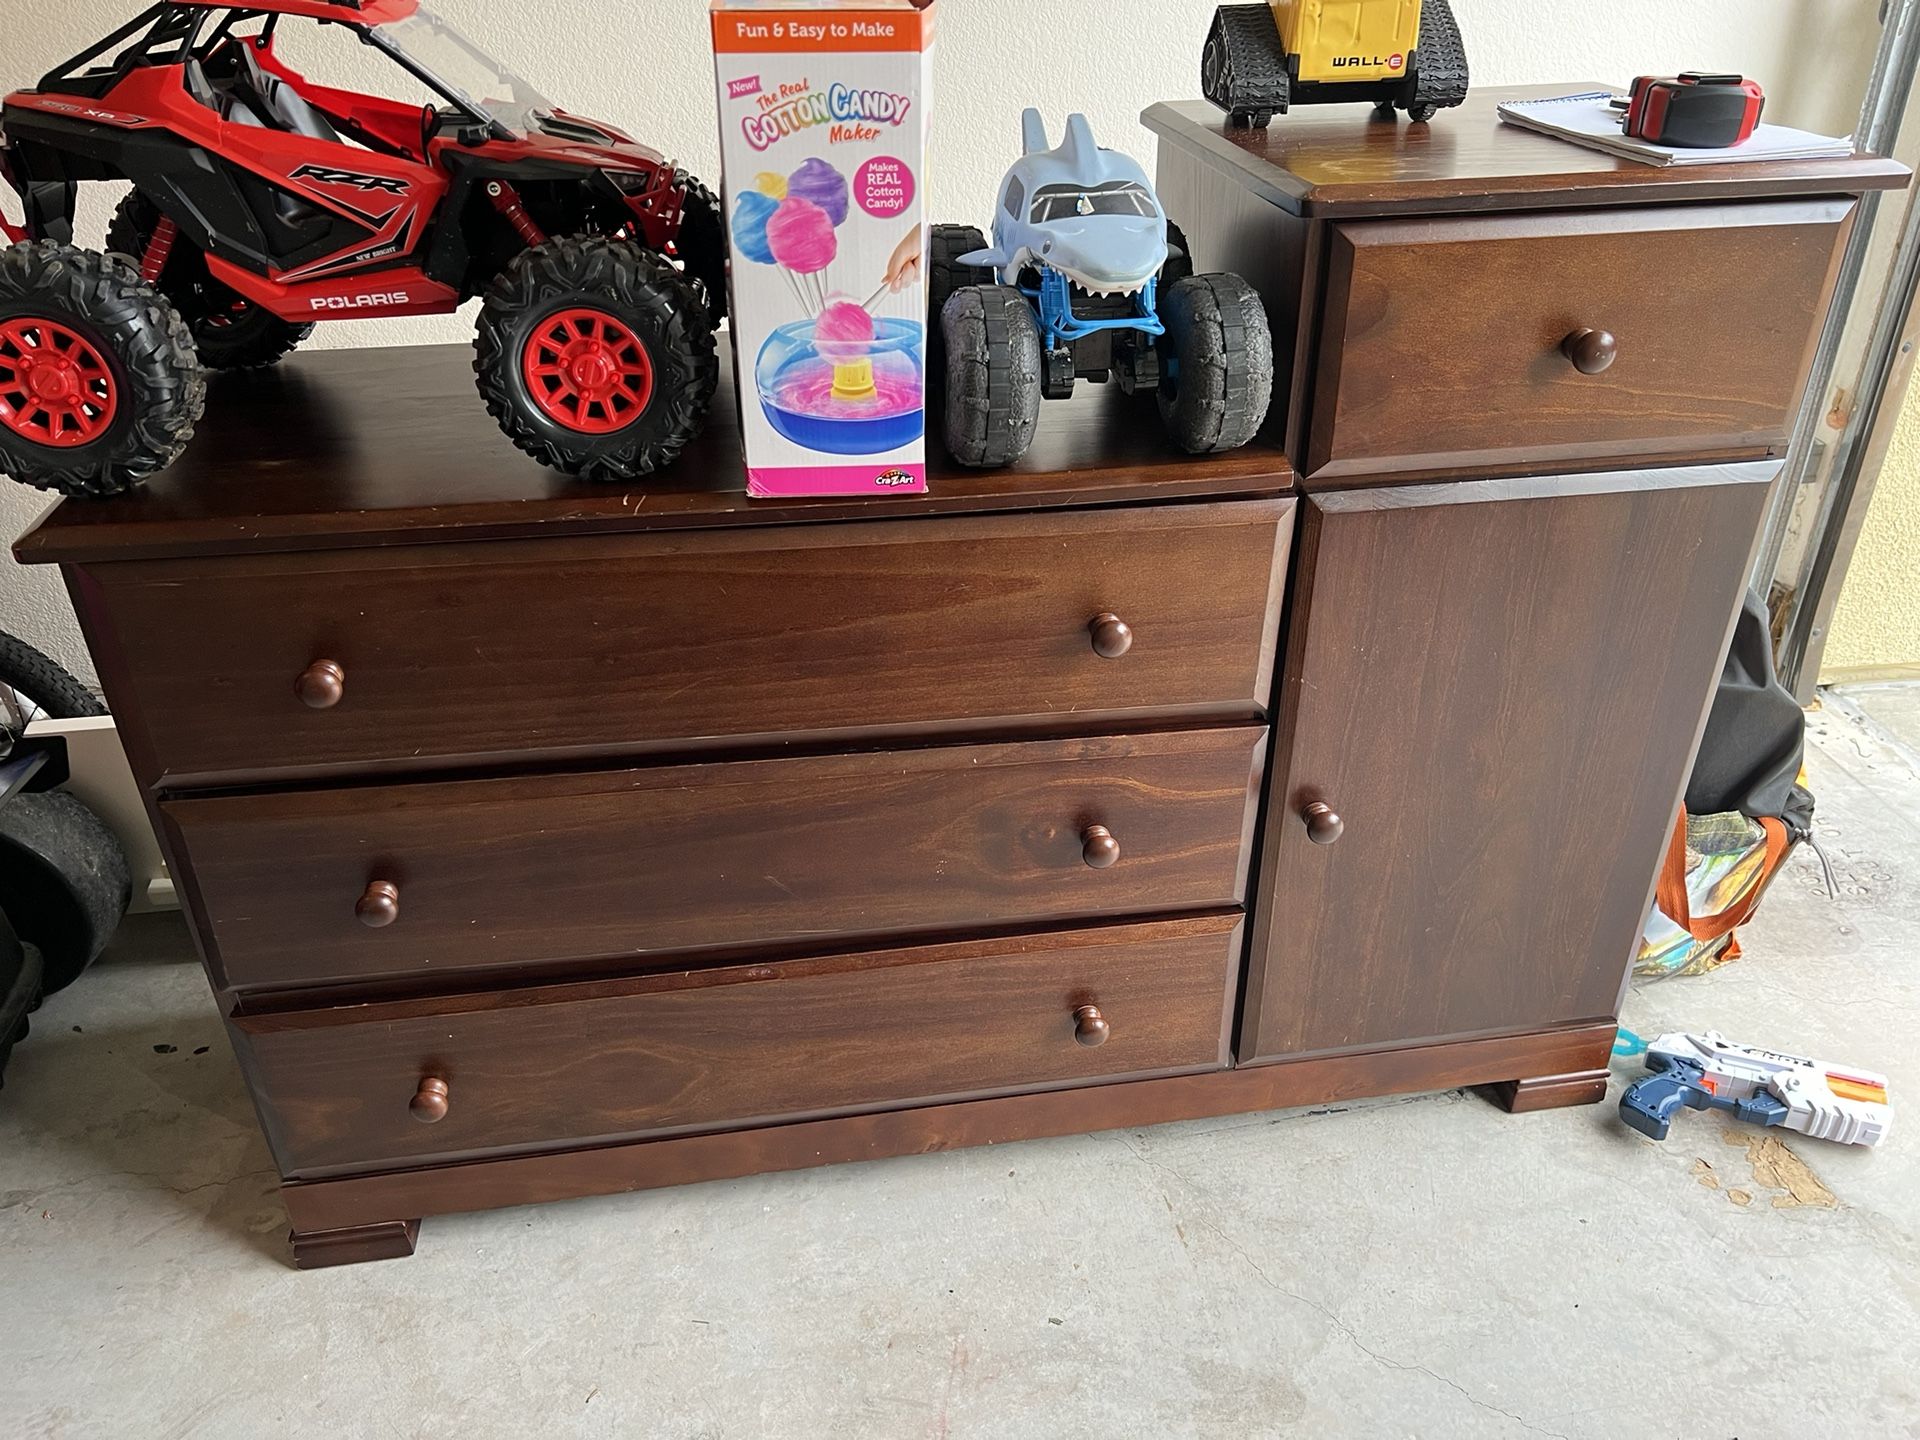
<point>1427,1266</point>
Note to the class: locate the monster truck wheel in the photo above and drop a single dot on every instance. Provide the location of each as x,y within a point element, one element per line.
<point>701,247</point>
<point>596,357</point>
<point>99,383</point>
<point>229,331</point>
<point>1216,363</point>
<point>992,374</point>
<point>945,274</point>
<point>1178,267</point>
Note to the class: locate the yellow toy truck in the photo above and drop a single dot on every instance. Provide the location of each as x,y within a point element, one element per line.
<point>1400,54</point>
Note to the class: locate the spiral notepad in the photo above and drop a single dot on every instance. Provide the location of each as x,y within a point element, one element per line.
<point>1588,118</point>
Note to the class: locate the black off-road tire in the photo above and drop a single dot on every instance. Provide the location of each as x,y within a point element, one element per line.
<point>229,331</point>
<point>64,881</point>
<point>43,681</point>
<point>945,274</point>
<point>161,390</point>
<point>20,991</point>
<point>993,374</point>
<point>646,294</point>
<point>1440,64</point>
<point>1216,363</point>
<point>1243,68</point>
<point>701,247</point>
<point>1179,265</point>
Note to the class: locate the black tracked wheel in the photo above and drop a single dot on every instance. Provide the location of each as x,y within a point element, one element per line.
<point>1440,66</point>
<point>229,331</point>
<point>1243,68</point>
<point>701,247</point>
<point>100,385</point>
<point>945,274</point>
<point>596,357</point>
<point>993,374</point>
<point>1216,363</point>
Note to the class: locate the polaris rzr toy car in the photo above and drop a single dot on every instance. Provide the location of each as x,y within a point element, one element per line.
<point>263,202</point>
<point>1087,280</point>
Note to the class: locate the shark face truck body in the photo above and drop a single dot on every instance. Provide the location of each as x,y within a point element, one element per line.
<point>1087,280</point>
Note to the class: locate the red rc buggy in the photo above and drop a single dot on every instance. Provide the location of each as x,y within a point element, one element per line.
<point>263,202</point>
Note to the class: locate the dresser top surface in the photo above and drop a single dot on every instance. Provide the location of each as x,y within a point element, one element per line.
<point>353,448</point>
<point>1340,160</point>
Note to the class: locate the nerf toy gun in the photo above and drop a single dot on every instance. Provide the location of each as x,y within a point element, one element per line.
<point>1762,1087</point>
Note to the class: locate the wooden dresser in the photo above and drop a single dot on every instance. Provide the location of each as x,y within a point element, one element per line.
<point>543,840</point>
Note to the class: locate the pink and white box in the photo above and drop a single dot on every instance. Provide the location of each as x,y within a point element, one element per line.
<point>823,138</point>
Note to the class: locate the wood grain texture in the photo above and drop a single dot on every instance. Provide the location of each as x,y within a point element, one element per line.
<point>1340,161</point>
<point>631,644</point>
<point>1443,339</point>
<point>923,1130</point>
<point>1499,687</point>
<point>354,1245</point>
<point>1550,1092</point>
<point>738,1046</point>
<point>345,449</point>
<point>805,851</point>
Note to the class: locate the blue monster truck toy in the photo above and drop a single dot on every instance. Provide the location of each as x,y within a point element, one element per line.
<point>1087,280</point>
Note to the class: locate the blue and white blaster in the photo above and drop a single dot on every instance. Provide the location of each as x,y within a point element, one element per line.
<point>1762,1087</point>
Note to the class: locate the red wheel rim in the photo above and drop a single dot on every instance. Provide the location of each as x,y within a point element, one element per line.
<point>55,386</point>
<point>587,371</point>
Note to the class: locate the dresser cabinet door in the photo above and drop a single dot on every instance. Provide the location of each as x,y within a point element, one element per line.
<point>1494,689</point>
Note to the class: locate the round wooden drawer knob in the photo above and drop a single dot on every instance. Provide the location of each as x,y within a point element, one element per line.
<point>1323,826</point>
<point>379,905</point>
<point>1098,847</point>
<point>429,1105</point>
<point>1112,636</point>
<point>321,685</point>
<point>1090,1027</point>
<point>1591,351</point>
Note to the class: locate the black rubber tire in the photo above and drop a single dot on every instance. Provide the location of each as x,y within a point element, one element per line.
<point>1180,266</point>
<point>1439,65</point>
<point>64,881</point>
<point>650,297</point>
<point>1243,67</point>
<point>992,374</point>
<point>20,991</point>
<point>1216,363</point>
<point>36,677</point>
<point>162,389</point>
<point>945,244</point>
<point>945,274</point>
<point>229,331</point>
<point>701,248</point>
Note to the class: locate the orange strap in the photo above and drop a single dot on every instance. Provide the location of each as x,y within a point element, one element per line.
<point>1671,891</point>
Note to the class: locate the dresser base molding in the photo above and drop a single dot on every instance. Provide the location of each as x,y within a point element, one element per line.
<point>351,1244</point>
<point>340,1221</point>
<point>1550,1092</point>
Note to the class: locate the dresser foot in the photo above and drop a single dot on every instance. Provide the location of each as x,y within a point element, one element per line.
<point>384,1240</point>
<point>1549,1092</point>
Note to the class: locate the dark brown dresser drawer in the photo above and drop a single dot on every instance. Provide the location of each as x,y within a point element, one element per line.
<point>1447,340</point>
<point>732,1047</point>
<point>799,851</point>
<point>624,644</point>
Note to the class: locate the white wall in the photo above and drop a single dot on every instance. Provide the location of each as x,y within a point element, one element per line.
<point>645,66</point>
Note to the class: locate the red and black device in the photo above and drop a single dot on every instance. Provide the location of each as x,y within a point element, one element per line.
<point>1695,109</point>
<point>263,202</point>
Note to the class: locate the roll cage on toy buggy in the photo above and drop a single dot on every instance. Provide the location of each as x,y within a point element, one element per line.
<point>263,202</point>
